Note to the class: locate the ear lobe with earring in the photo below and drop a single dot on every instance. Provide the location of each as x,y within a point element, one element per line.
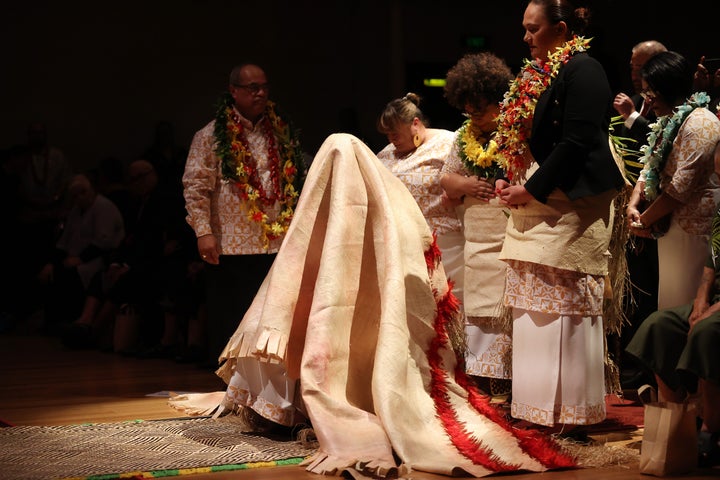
<point>416,140</point>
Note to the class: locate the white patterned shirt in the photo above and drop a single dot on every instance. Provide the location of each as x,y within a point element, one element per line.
<point>689,173</point>
<point>213,203</point>
<point>420,172</point>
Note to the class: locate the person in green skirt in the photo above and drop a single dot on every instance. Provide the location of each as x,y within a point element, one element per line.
<point>680,346</point>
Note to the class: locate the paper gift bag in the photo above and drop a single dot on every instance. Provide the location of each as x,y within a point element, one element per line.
<point>125,334</point>
<point>669,444</point>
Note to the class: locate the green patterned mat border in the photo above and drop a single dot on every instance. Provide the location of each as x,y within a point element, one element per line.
<point>195,445</point>
<point>190,471</point>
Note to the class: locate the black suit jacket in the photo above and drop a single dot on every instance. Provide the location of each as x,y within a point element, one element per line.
<point>641,126</point>
<point>569,138</point>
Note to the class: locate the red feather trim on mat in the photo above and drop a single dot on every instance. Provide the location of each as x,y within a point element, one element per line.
<point>466,444</point>
<point>535,444</point>
<point>433,255</point>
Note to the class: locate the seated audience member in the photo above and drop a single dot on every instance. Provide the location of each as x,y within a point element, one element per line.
<point>680,346</point>
<point>45,181</point>
<point>185,318</point>
<point>112,182</point>
<point>91,230</point>
<point>140,267</point>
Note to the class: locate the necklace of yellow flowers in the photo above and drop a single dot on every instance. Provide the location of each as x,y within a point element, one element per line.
<point>479,155</point>
<point>240,167</point>
<point>518,105</point>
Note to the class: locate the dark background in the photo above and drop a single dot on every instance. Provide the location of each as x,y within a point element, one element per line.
<point>101,74</point>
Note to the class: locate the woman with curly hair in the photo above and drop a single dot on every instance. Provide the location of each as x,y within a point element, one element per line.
<point>475,86</point>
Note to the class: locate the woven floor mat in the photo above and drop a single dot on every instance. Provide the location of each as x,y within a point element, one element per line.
<point>56,452</point>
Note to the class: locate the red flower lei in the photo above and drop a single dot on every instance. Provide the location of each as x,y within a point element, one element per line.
<point>518,106</point>
<point>248,180</point>
<point>240,167</point>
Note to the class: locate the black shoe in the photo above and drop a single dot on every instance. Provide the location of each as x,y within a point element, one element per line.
<point>77,336</point>
<point>708,449</point>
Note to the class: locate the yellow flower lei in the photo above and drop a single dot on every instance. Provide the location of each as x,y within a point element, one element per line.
<point>477,159</point>
<point>239,167</point>
<point>518,105</point>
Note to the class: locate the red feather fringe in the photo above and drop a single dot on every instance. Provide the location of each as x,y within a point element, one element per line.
<point>463,440</point>
<point>534,443</point>
<point>433,255</point>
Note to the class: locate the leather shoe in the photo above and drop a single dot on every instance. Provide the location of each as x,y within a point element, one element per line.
<point>78,336</point>
<point>708,449</point>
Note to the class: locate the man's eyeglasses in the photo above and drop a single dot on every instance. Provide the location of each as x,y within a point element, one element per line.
<point>254,88</point>
<point>648,95</point>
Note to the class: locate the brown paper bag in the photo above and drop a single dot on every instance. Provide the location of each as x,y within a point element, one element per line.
<point>669,444</point>
<point>125,334</point>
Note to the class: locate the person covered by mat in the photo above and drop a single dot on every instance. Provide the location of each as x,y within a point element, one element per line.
<point>356,330</point>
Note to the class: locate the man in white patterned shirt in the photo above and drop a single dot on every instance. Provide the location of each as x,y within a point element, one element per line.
<point>242,178</point>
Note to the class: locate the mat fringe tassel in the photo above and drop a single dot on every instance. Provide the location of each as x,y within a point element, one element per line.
<point>202,404</point>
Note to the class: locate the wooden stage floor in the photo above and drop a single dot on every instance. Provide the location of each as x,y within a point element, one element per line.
<point>43,383</point>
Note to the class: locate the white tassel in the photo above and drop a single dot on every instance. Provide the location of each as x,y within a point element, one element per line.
<point>197,404</point>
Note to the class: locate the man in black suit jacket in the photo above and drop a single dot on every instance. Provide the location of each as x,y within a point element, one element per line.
<point>641,253</point>
<point>637,115</point>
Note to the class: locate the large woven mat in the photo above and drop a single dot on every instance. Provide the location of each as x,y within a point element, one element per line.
<point>107,450</point>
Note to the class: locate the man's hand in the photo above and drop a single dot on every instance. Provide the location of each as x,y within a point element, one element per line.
<point>624,105</point>
<point>208,249</point>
